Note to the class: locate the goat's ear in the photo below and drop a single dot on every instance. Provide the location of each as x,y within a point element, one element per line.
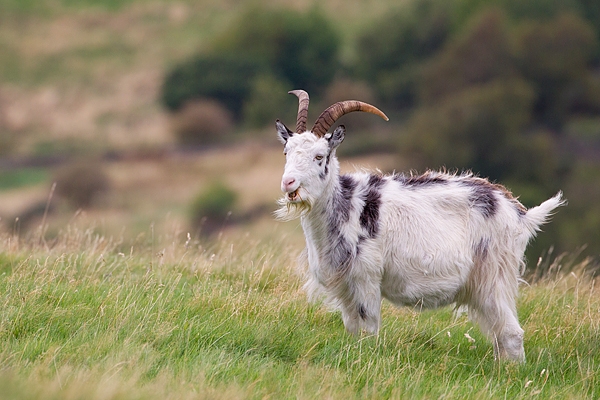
<point>283,132</point>
<point>336,137</point>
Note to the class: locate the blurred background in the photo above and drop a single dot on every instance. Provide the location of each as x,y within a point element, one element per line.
<point>132,117</point>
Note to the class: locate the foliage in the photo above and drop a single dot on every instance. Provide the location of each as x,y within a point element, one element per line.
<point>300,48</point>
<point>82,319</point>
<point>224,77</point>
<point>475,128</point>
<point>554,56</point>
<point>263,45</point>
<point>479,55</point>
<point>211,209</point>
<point>201,122</point>
<point>391,50</point>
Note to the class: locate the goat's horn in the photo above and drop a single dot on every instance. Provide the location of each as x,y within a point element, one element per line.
<point>302,109</point>
<point>335,111</point>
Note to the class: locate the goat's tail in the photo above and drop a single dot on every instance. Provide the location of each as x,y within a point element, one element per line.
<point>537,216</point>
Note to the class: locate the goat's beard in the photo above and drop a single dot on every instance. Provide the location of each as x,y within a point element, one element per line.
<point>291,210</point>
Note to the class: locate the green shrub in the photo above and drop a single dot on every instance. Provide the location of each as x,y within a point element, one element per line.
<point>226,78</point>
<point>299,48</point>
<point>212,208</point>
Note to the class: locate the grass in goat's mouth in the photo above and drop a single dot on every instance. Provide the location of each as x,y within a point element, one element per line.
<point>293,195</point>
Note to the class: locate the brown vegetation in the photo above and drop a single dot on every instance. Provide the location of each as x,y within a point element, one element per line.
<point>201,122</point>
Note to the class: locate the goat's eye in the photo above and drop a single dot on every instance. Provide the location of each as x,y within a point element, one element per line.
<point>319,157</point>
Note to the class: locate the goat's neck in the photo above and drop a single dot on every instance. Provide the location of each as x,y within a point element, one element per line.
<point>316,223</point>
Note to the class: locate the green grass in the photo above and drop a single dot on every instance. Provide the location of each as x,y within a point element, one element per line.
<point>22,177</point>
<point>88,318</point>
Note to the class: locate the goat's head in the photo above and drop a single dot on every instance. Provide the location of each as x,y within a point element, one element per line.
<point>310,155</point>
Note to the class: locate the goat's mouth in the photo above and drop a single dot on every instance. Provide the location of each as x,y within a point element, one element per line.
<point>294,197</point>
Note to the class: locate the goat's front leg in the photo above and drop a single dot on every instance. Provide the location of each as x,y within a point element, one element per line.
<point>361,307</point>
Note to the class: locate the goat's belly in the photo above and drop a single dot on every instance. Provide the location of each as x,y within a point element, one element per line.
<point>421,292</point>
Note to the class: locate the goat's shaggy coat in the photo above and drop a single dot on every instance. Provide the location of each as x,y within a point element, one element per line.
<point>418,240</point>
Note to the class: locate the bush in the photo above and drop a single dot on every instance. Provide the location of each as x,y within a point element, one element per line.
<point>280,45</point>
<point>226,78</point>
<point>201,122</point>
<point>212,208</point>
<point>299,48</point>
<point>82,183</point>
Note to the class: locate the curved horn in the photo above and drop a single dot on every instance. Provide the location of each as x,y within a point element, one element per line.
<point>335,111</point>
<point>302,109</point>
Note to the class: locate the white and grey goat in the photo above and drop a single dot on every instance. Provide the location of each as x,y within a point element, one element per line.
<point>418,240</point>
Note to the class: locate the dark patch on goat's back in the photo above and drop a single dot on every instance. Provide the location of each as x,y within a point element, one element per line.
<point>483,195</point>
<point>369,218</point>
<point>520,208</point>
<point>426,179</point>
<point>375,181</point>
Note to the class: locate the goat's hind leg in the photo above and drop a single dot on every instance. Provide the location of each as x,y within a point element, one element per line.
<point>497,318</point>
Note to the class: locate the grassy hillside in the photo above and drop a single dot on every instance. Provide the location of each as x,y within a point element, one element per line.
<point>166,317</point>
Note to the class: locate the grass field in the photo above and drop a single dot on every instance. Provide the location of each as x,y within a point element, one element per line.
<point>168,317</point>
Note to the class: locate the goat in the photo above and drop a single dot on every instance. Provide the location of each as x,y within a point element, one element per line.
<point>425,240</point>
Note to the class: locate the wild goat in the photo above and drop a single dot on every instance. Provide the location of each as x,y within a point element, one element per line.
<point>418,240</point>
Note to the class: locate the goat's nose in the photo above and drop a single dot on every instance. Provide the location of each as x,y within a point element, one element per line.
<point>287,183</point>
